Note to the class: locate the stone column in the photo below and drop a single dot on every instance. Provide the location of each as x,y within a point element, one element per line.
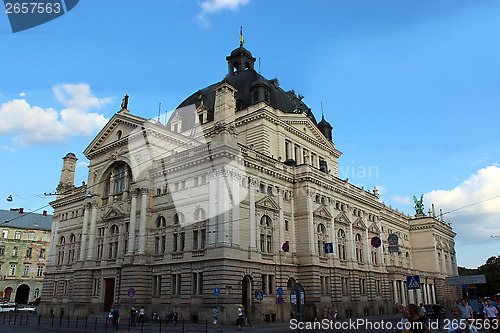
<point>403,293</point>
<point>131,228</point>
<point>53,240</point>
<point>334,236</point>
<point>395,291</point>
<point>310,222</point>
<point>143,221</point>
<point>352,255</point>
<point>368,245</point>
<point>253,227</point>
<point>433,289</point>
<point>212,210</point>
<point>223,216</point>
<point>93,222</point>
<point>83,244</point>
<point>419,295</point>
<point>236,222</point>
<point>411,298</point>
<point>292,224</point>
<point>282,217</point>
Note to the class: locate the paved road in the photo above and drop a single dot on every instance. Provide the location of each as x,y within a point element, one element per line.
<point>384,324</point>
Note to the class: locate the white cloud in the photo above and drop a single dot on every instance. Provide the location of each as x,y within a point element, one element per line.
<point>8,148</point>
<point>22,94</point>
<point>381,189</point>
<point>477,204</point>
<point>214,6</point>
<point>82,164</point>
<point>38,126</point>
<point>402,200</point>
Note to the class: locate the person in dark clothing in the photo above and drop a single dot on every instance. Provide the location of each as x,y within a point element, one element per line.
<point>116,316</point>
<point>436,310</point>
<point>417,323</point>
<point>133,314</point>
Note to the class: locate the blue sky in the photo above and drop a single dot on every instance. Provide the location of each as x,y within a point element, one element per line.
<point>410,87</point>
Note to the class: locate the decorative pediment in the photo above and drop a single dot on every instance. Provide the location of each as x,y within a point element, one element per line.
<point>113,213</point>
<point>359,224</point>
<point>439,246</point>
<point>374,228</point>
<point>117,128</point>
<point>268,203</point>
<point>322,212</point>
<point>342,218</point>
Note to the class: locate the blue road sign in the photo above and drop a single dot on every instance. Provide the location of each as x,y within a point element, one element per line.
<point>280,291</point>
<point>285,247</point>
<point>259,295</point>
<point>216,291</point>
<point>328,247</point>
<point>280,300</point>
<point>131,292</point>
<point>376,242</point>
<point>413,282</point>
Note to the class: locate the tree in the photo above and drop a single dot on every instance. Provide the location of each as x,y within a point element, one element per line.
<point>491,269</point>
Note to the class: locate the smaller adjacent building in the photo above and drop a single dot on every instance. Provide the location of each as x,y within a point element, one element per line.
<point>24,246</point>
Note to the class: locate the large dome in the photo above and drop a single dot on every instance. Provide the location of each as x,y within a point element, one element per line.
<point>244,78</point>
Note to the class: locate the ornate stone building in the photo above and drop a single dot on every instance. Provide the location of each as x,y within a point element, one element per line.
<point>241,171</point>
<point>24,245</point>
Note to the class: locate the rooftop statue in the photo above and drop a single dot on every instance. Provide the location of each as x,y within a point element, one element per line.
<point>125,102</point>
<point>419,205</point>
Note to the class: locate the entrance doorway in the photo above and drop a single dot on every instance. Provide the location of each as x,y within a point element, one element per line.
<point>109,293</point>
<point>8,293</point>
<point>246,294</point>
<point>22,294</point>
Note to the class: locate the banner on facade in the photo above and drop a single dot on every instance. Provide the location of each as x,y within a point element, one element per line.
<point>466,279</point>
<point>393,243</point>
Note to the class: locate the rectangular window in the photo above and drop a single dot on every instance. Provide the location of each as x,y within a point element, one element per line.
<point>203,179</point>
<point>31,236</point>
<point>29,252</point>
<point>183,184</point>
<point>2,250</point>
<point>287,150</point>
<point>157,244</point>
<point>176,284</point>
<point>269,244</point>
<point>322,284</point>
<point>156,285</point>
<point>42,253</point>
<point>262,243</point>
<point>163,243</point>
<point>183,241</point>
<point>286,225</point>
<point>5,233</point>
<point>203,238</point>
<point>196,181</point>
<point>264,284</point>
<point>327,285</point>
<point>26,270</point>
<point>18,235</point>
<point>174,242</point>
<point>194,284</point>
<point>271,284</point>
<point>12,270</point>
<point>195,239</point>
<point>39,271</point>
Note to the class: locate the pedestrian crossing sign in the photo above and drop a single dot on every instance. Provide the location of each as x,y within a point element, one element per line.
<point>328,248</point>
<point>413,282</point>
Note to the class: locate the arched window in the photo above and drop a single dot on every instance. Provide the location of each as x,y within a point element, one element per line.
<point>116,180</point>
<point>161,222</point>
<point>113,230</point>
<point>341,233</point>
<point>266,234</point>
<point>199,215</point>
<point>265,220</point>
<point>321,228</point>
<point>321,239</point>
<point>358,237</point>
<point>72,238</point>
<point>178,218</point>
<point>113,241</point>
<point>62,240</point>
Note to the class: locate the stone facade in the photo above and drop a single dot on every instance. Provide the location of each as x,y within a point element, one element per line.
<point>208,200</point>
<point>24,245</point>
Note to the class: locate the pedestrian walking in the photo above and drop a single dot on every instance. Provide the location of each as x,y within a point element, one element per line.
<point>133,314</point>
<point>215,316</point>
<point>142,315</point>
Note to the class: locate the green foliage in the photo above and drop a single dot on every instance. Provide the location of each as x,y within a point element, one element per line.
<point>491,269</point>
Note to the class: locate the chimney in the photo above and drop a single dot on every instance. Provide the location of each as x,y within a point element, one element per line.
<point>21,210</point>
<point>68,173</point>
<point>44,213</point>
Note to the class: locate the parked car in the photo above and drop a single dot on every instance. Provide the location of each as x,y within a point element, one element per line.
<point>26,308</point>
<point>7,307</point>
<point>429,311</point>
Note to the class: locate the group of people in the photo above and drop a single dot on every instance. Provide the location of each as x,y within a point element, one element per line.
<point>329,312</point>
<point>414,318</point>
<point>172,316</point>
